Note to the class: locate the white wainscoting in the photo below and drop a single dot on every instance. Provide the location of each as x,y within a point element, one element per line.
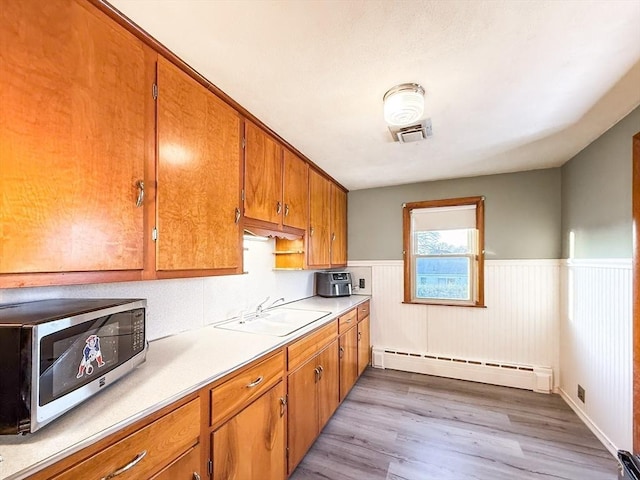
<point>573,317</point>
<point>519,327</point>
<point>596,346</point>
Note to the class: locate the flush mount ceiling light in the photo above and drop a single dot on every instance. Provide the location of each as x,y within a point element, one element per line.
<point>403,104</point>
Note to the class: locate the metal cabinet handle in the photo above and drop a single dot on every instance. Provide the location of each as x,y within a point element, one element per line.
<point>283,405</point>
<point>341,352</point>
<point>359,336</point>
<point>321,370</point>
<point>128,466</point>
<point>196,476</point>
<point>317,371</point>
<point>286,209</point>
<point>237,215</point>
<point>140,200</point>
<point>255,382</point>
<point>333,237</point>
<point>278,208</point>
<point>311,231</point>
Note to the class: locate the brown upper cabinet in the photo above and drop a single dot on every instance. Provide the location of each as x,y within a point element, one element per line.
<point>327,223</point>
<point>263,175</point>
<point>319,221</point>
<point>74,93</point>
<point>119,162</point>
<point>276,183</point>
<point>338,226</point>
<point>295,191</point>
<point>198,187</point>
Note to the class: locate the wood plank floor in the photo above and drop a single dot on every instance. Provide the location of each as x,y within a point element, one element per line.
<point>403,426</point>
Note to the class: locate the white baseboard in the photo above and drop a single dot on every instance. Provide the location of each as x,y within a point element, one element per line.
<point>608,444</point>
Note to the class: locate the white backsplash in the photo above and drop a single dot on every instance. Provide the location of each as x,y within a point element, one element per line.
<point>360,273</point>
<point>177,305</point>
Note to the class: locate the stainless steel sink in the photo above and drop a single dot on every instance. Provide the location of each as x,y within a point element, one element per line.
<point>278,322</point>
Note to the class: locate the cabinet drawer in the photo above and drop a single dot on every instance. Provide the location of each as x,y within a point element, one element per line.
<point>185,467</point>
<point>363,310</point>
<point>347,321</point>
<point>164,440</point>
<point>236,393</point>
<point>298,352</point>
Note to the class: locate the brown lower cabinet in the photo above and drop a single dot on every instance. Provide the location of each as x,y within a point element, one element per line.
<point>166,448</point>
<point>252,444</point>
<point>254,424</point>
<point>313,398</point>
<point>364,344</point>
<point>247,421</point>
<point>348,355</point>
<point>185,467</point>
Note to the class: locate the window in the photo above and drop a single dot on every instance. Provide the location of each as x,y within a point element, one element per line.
<point>444,252</point>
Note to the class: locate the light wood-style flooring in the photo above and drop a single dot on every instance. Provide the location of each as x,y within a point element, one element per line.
<point>403,426</point>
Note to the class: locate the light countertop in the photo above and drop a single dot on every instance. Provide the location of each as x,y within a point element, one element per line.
<point>175,366</point>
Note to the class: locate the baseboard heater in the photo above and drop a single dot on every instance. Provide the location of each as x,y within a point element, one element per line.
<point>527,377</point>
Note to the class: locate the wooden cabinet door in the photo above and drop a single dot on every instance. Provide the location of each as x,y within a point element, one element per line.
<point>338,226</point>
<point>319,220</point>
<point>198,189</point>
<point>187,467</point>
<point>348,355</point>
<point>72,139</point>
<point>295,191</point>
<point>329,384</point>
<point>364,344</point>
<point>251,445</point>
<point>302,420</point>
<point>262,175</point>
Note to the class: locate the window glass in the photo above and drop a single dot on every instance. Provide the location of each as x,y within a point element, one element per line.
<point>443,278</point>
<point>439,242</point>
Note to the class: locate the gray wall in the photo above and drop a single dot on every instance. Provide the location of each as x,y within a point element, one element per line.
<point>522,214</point>
<point>596,194</point>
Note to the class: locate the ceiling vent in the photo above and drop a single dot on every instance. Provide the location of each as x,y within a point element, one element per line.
<point>412,133</point>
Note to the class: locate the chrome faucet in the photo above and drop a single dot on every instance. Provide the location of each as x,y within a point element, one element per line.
<point>281,299</point>
<point>259,307</point>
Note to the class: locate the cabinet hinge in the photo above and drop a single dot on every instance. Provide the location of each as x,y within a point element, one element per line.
<point>210,467</point>
<point>154,234</point>
<point>244,142</point>
<point>242,193</point>
<point>154,91</point>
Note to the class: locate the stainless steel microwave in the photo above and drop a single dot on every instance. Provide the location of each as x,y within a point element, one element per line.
<point>54,354</point>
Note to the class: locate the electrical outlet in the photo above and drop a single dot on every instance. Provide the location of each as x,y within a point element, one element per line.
<point>361,283</point>
<point>581,393</point>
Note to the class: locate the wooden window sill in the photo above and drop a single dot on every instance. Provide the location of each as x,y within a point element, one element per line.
<point>466,305</point>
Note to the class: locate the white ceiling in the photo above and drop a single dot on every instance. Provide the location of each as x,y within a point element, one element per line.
<point>511,85</point>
